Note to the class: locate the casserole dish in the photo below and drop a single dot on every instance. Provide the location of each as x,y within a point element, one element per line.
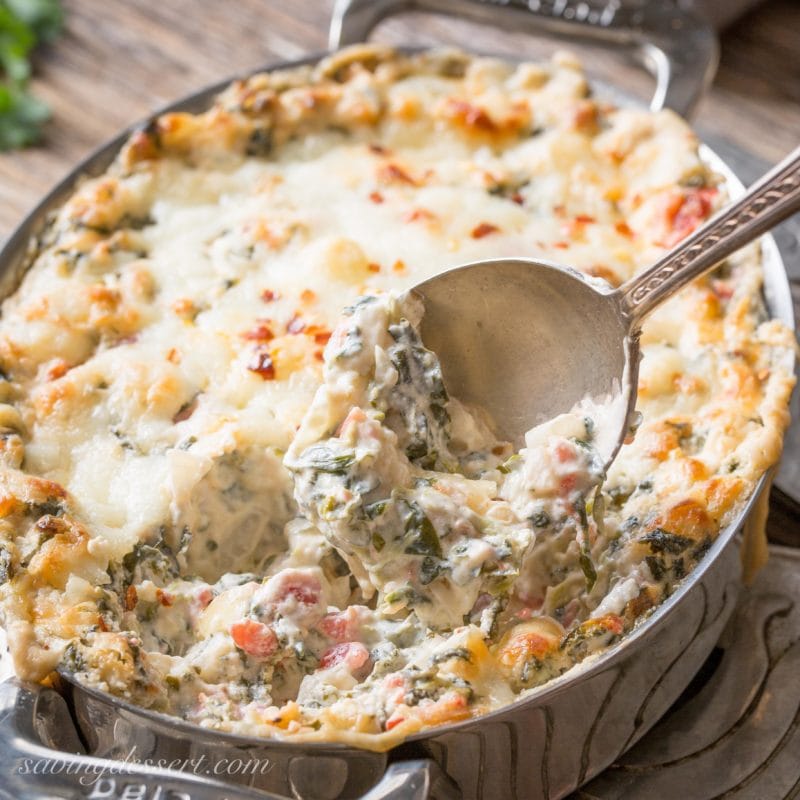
<point>514,738</point>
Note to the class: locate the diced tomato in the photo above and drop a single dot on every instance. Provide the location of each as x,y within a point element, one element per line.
<point>418,214</point>
<point>686,215</point>
<point>353,655</point>
<point>722,290</point>
<point>294,594</point>
<point>204,596</point>
<point>302,587</point>
<point>564,452</point>
<point>567,484</point>
<point>395,687</point>
<point>623,229</point>
<point>484,229</point>
<point>164,598</point>
<point>354,416</point>
<point>393,173</point>
<point>343,626</point>
<point>394,721</point>
<point>131,598</point>
<point>255,638</point>
<point>262,365</point>
<point>260,332</point>
<point>613,623</point>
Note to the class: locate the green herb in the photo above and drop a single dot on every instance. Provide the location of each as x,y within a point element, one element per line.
<point>540,519</point>
<point>510,464</point>
<point>662,541</point>
<point>260,142</point>
<point>657,566</point>
<point>459,652</point>
<point>422,539</point>
<point>430,569</point>
<point>375,509</point>
<point>323,459</point>
<point>587,567</point>
<point>619,495</point>
<point>23,24</point>
<point>72,660</point>
<point>404,594</point>
<point>6,565</point>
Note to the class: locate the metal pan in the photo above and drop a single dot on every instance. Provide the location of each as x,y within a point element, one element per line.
<point>543,745</point>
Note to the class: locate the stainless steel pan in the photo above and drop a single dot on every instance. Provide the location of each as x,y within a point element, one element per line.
<point>543,745</point>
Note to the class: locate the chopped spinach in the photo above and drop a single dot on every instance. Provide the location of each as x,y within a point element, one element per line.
<point>430,569</point>
<point>663,541</point>
<point>588,569</point>
<point>540,519</point>
<point>458,652</point>
<point>6,565</point>
<point>323,459</point>
<point>421,537</point>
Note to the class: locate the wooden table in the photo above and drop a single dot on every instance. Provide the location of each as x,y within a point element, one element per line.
<point>119,60</point>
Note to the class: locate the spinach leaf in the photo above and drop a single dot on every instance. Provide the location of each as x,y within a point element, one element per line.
<point>421,536</point>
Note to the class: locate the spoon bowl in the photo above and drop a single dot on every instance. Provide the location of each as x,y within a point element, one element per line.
<point>526,340</point>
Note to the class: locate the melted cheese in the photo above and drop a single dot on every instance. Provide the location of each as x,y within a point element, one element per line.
<point>167,342</point>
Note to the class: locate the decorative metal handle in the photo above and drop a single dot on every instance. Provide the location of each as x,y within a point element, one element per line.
<point>769,201</point>
<point>674,42</point>
<point>33,770</point>
<point>42,758</point>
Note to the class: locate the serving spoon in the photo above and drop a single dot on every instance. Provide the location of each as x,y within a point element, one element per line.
<point>527,340</point>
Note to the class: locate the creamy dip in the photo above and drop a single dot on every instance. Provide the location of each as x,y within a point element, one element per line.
<point>233,487</point>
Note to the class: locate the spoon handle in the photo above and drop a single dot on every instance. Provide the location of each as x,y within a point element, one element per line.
<point>769,201</point>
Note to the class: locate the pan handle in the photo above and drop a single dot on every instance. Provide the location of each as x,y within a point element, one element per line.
<point>42,758</point>
<point>33,770</point>
<point>674,42</point>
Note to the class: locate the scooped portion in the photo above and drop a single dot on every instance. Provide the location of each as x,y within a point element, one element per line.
<point>430,573</point>
<point>427,508</point>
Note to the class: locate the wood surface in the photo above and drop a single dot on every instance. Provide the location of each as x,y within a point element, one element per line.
<point>119,60</point>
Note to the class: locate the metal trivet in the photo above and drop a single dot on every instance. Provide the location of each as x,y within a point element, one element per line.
<point>735,731</point>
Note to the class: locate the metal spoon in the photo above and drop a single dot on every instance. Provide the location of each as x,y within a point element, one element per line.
<point>527,340</point>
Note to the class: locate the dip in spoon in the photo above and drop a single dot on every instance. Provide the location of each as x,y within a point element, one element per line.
<point>527,340</point>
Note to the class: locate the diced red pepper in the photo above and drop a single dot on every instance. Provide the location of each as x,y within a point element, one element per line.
<point>352,654</point>
<point>255,638</point>
<point>262,365</point>
<point>484,229</point>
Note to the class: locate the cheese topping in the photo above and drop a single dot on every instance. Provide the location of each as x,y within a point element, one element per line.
<point>234,487</point>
